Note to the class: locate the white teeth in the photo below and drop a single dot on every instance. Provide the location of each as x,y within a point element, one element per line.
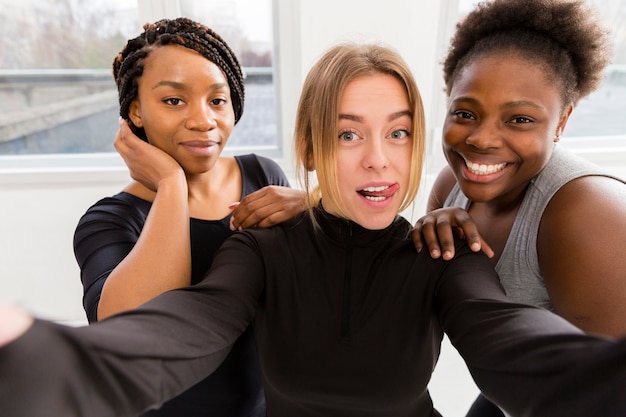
<point>482,169</point>
<point>376,189</point>
<point>369,197</point>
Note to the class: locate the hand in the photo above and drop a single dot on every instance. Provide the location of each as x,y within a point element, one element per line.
<point>267,207</point>
<point>14,322</point>
<point>147,164</point>
<point>437,229</point>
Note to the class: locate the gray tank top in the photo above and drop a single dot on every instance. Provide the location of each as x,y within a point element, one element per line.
<point>518,265</point>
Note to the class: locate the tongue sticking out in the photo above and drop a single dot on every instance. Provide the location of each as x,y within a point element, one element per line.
<point>379,193</point>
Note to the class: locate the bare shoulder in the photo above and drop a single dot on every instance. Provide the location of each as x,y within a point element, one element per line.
<point>585,196</point>
<point>580,248</point>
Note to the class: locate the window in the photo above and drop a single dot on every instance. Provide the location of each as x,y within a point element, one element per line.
<point>56,89</point>
<point>246,25</point>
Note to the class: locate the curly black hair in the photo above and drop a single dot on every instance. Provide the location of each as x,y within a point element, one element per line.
<point>128,65</point>
<point>563,36</point>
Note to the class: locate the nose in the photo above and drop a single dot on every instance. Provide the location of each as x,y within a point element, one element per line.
<point>485,136</point>
<point>200,117</point>
<point>376,155</point>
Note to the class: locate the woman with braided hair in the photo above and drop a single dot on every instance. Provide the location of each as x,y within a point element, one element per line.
<point>514,72</point>
<point>181,90</point>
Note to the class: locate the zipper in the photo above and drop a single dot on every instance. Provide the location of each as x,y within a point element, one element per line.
<point>345,312</point>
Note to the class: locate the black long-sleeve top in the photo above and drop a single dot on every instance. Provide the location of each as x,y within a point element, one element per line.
<point>348,322</point>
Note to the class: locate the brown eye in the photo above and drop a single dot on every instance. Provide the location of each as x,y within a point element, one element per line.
<point>173,101</point>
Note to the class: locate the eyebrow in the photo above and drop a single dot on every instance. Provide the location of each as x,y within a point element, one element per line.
<point>392,116</point>
<point>182,86</point>
<point>522,103</point>
<point>510,104</point>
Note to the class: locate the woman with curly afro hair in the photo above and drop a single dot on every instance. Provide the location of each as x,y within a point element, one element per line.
<point>553,223</point>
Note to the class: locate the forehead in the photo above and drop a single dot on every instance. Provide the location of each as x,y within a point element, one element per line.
<point>178,60</point>
<point>507,75</point>
<point>381,89</point>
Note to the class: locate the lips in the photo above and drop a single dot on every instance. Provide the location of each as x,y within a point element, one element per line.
<point>201,148</point>
<point>200,143</point>
<point>379,193</point>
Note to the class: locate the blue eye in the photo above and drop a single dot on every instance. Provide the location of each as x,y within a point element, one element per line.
<point>348,136</point>
<point>400,134</point>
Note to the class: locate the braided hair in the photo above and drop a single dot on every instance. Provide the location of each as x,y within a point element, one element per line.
<point>129,63</point>
<point>563,36</point>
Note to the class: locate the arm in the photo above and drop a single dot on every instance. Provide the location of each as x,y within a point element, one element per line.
<point>585,274</point>
<point>138,358</point>
<point>521,355</point>
<point>161,258</point>
<point>438,227</point>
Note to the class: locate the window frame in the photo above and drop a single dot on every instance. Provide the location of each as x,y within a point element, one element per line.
<point>61,167</point>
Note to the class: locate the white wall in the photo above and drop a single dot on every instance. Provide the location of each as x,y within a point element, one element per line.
<point>38,214</point>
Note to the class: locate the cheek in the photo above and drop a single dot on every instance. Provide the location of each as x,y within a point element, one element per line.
<point>226,120</point>
<point>450,134</point>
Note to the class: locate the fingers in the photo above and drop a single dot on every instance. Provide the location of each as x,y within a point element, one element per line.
<point>437,230</point>
<point>256,212</point>
<point>439,237</point>
<point>486,248</point>
<point>267,207</point>
<point>233,206</point>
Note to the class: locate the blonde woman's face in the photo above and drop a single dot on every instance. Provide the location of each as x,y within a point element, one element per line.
<point>374,150</point>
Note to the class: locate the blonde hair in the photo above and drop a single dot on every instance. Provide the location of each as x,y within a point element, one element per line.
<point>318,111</point>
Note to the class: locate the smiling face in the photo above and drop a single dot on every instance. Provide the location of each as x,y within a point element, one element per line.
<point>502,118</point>
<point>184,106</point>
<point>374,150</point>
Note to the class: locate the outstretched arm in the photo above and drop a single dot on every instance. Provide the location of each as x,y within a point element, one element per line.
<point>136,359</point>
<point>527,360</point>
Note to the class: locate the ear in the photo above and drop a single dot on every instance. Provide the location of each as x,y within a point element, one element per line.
<point>134,113</point>
<point>564,118</point>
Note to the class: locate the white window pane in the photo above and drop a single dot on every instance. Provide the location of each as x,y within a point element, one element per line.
<point>600,114</point>
<point>57,93</point>
<point>246,25</point>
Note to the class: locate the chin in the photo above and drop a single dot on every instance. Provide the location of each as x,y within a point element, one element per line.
<point>376,222</point>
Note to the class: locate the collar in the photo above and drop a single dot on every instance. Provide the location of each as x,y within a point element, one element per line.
<point>344,231</point>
